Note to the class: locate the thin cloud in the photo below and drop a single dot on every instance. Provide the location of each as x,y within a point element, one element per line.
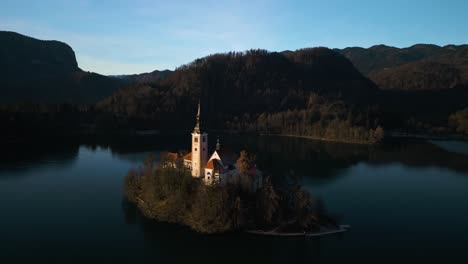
<point>159,38</point>
<point>103,48</point>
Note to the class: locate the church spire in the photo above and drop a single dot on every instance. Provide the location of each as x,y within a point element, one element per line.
<point>218,146</point>
<point>197,126</point>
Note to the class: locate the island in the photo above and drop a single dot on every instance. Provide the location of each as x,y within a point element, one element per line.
<point>223,193</point>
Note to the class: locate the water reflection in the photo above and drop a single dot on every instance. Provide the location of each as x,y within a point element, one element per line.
<point>403,200</point>
<point>419,154</point>
<point>276,155</point>
<point>179,244</point>
<point>24,157</point>
<point>327,160</point>
<point>452,146</point>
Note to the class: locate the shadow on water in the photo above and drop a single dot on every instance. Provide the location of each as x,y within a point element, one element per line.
<point>133,144</point>
<point>315,159</point>
<point>24,157</point>
<point>324,161</point>
<point>120,231</point>
<point>169,241</point>
<point>419,154</point>
<point>306,158</point>
<point>460,147</point>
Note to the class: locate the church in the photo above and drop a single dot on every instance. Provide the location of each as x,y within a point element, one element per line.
<point>217,167</point>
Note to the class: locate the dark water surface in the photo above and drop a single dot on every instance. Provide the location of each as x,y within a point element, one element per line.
<point>406,202</point>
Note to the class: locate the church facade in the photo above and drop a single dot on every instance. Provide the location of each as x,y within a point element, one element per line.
<point>216,167</point>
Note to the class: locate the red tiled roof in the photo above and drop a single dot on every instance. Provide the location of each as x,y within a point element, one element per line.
<point>210,165</point>
<point>188,156</point>
<point>214,164</point>
<point>172,156</point>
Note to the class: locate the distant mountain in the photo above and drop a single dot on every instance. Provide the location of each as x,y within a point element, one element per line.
<point>21,54</point>
<point>262,80</point>
<point>416,68</point>
<point>237,88</point>
<point>241,86</point>
<point>420,75</point>
<point>39,71</point>
<point>149,77</point>
<point>335,94</point>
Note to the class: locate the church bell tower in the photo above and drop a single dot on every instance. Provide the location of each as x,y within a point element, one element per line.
<point>199,149</point>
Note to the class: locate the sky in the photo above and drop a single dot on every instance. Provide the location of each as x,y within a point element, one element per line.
<point>126,37</point>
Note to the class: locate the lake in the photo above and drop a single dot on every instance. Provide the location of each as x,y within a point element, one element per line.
<point>406,202</point>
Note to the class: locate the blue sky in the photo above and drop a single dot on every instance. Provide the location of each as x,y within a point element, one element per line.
<point>115,37</point>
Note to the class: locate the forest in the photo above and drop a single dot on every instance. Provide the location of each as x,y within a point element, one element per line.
<point>459,121</point>
<point>312,92</point>
<point>352,95</point>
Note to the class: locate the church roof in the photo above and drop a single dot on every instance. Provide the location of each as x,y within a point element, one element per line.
<point>227,157</point>
<point>188,156</point>
<point>215,165</point>
<point>197,126</point>
<point>172,156</point>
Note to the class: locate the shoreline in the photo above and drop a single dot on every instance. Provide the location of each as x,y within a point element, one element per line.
<point>74,135</point>
<point>323,232</point>
<point>319,139</point>
<point>455,137</point>
<point>393,135</point>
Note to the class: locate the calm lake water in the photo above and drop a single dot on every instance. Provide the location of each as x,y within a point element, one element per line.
<point>406,202</point>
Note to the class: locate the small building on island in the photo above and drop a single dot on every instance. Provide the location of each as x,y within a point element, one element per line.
<point>219,167</point>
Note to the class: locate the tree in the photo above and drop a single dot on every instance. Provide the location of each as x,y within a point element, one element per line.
<point>237,213</point>
<point>302,206</point>
<point>379,134</point>
<point>459,121</point>
<point>267,202</point>
<point>150,160</point>
<point>245,176</point>
<point>132,186</point>
<point>243,163</point>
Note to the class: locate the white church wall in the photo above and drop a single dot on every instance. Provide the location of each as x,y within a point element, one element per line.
<point>208,174</point>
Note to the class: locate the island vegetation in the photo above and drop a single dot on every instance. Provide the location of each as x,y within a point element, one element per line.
<point>459,121</point>
<point>169,194</point>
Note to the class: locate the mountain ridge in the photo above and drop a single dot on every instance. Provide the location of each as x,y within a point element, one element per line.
<point>322,90</point>
<point>46,71</point>
<point>146,77</point>
<point>388,66</point>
